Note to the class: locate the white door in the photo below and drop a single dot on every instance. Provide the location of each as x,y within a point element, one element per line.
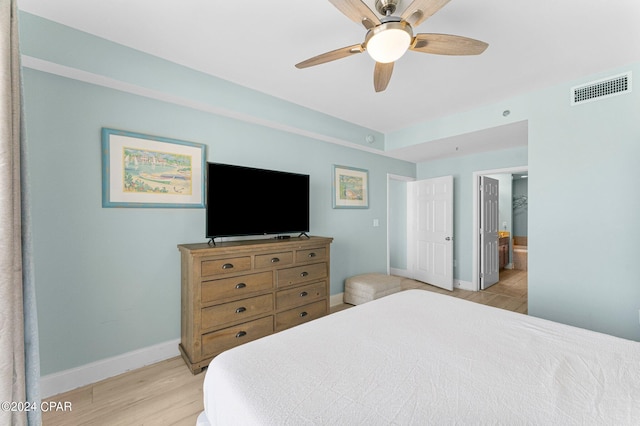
<point>489,218</point>
<point>430,231</point>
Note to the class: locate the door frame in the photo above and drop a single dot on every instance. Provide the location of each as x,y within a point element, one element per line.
<point>475,274</point>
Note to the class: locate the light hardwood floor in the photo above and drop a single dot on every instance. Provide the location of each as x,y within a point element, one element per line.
<point>167,393</point>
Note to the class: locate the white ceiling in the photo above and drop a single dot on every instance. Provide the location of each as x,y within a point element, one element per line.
<point>256,43</point>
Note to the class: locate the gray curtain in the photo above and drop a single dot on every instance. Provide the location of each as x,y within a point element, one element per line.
<point>19,360</point>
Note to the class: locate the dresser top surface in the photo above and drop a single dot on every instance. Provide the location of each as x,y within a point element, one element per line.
<point>267,244</point>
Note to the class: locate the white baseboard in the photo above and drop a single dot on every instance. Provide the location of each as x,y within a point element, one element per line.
<point>399,272</point>
<point>464,285</point>
<point>63,381</point>
<point>336,299</point>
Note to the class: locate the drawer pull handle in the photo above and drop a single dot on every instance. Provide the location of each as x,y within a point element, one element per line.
<point>303,314</point>
<point>303,294</point>
<point>304,274</point>
<point>227,266</point>
<point>240,310</point>
<point>240,285</point>
<point>241,334</point>
<point>275,260</point>
<point>312,254</point>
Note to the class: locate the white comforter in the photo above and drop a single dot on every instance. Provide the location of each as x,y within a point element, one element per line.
<point>418,357</point>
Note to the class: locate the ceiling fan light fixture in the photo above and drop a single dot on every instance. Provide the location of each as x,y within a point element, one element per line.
<point>389,41</point>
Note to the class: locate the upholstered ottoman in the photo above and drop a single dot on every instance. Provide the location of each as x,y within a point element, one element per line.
<point>367,287</point>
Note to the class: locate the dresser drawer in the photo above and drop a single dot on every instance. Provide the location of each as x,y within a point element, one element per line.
<point>310,255</point>
<point>301,295</point>
<point>235,287</point>
<point>273,259</point>
<point>219,341</point>
<point>235,311</point>
<point>225,266</point>
<point>301,274</point>
<point>302,314</point>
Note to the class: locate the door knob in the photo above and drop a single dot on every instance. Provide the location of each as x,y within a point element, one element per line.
<point>448,239</point>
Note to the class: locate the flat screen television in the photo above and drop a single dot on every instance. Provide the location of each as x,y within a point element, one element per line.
<point>249,201</point>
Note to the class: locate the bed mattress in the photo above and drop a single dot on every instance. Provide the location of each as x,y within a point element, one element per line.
<point>418,357</point>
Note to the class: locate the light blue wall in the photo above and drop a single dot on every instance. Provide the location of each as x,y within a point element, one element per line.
<point>583,173</point>
<point>49,41</point>
<point>584,209</point>
<point>108,279</point>
<point>462,169</point>
<point>398,224</point>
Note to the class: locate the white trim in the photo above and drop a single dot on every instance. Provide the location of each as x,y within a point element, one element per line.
<point>464,285</point>
<point>63,381</point>
<point>475,272</point>
<point>336,299</point>
<point>400,273</point>
<point>111,83</point>
<point>400,177</point>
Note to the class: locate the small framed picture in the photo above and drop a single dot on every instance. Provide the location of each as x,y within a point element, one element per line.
<point>149,171</point>
<point>350,188</point>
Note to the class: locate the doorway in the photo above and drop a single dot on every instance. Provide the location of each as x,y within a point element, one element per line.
<point>397,224</point>
<point>513,223</point>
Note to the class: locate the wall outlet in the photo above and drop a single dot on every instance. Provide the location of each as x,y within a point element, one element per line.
<point>376,222</point>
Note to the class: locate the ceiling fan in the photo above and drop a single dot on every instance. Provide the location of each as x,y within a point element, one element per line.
<point>387,39</point>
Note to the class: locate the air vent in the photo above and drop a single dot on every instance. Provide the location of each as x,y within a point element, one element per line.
<point>600,89</point>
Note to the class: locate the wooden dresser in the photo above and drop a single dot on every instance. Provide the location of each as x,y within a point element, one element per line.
<point>239,291</point>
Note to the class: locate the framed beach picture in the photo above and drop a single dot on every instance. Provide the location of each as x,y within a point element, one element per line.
<point>149,171</point>
<point>350,188</point>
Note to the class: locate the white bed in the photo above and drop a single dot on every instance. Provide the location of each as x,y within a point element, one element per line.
<point>418,357</point>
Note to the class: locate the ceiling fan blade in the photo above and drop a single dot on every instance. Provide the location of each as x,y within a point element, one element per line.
<point>445,44</point>
<point>331,56</point>
<point>357,11</point>
<point>419,10</point>
<point>382,75</point>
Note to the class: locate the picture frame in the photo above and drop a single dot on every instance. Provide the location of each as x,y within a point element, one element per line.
<point>140,170</point>
<point>350,188</point>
